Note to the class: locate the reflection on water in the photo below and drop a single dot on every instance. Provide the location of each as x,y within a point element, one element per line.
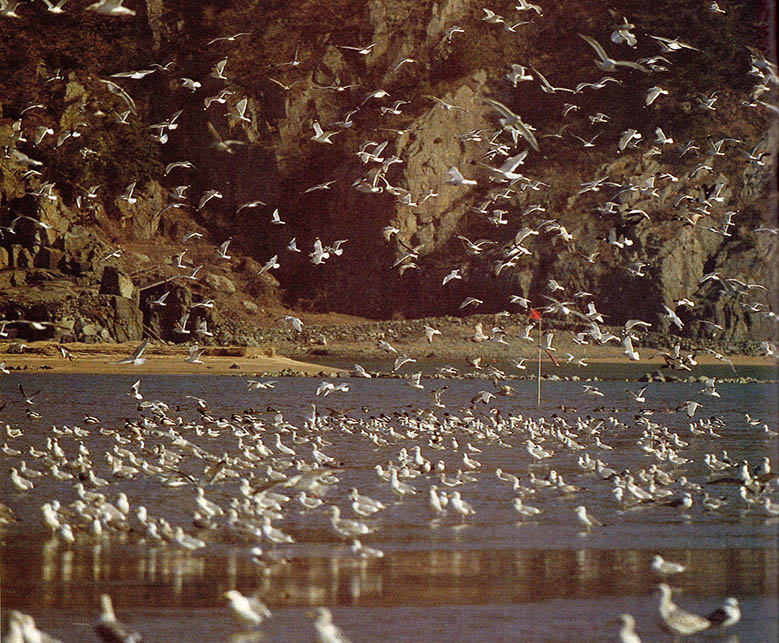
<point>72,578</point>
<point>535,595</point>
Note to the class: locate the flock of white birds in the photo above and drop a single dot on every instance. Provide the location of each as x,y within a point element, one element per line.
<point>702,202</point>
<point>238,479</point>
<point>295,472</point>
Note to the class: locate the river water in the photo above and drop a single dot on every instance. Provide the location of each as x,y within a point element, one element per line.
<point>489,576</point>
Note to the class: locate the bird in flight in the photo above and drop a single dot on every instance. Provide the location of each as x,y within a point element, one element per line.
<point>28,399</point>
<point>320,136</point>
<point>610,64</point>
<point>110,8</point>
<point>136,358</point>
<point>456,178</point>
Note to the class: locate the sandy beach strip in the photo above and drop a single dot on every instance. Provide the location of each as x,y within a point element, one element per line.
<point>95,359</point>
<point>240,360</point>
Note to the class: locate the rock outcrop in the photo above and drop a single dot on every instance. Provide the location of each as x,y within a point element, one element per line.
<point>94,194</point>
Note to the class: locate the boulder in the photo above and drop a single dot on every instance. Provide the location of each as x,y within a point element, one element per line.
<point>115,282</point>
<point>250,306</point>
<point>48,258</point>
<point>220,283</point>
<point>125,320</point>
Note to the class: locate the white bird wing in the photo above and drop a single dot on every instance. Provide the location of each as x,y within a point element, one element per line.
<point>597,47</point>
<point>454,175</point>
<point>511,163</point>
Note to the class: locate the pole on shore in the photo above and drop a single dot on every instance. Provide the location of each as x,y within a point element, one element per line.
<point>538,388</point>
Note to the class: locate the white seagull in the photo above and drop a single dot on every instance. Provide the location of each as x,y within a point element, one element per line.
<point>222,250</point>
<point>207,196</point>
<point>110,8</point>
<point>326,630</point>
<point>108,628</point>
<point>629,350</point>
<point>586,519</point>
<point>294,322</point>
<point>727,615</point>
<point>677,620</point>
<point>664,568</point>
<point>136,358</point>
<point>456,178</point>
<point>248,611</point>
<point>610,64</point>
<point>320,136</point>
<point>673,317</point>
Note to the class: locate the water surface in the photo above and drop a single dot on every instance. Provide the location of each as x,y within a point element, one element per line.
<point>485,577</point>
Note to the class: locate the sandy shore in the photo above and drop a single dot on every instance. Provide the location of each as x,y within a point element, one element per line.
<point>295,357</point>
<point>159,359</point>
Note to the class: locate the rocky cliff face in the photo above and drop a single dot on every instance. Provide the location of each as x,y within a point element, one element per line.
<point>603,201</point>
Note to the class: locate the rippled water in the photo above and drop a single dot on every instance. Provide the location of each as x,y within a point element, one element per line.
<point>487,577</point>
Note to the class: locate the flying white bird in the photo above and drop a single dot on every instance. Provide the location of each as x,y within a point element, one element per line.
<point>455,178</point>
<point>319,255</point>
<point>294,322</point>
<point>321,136</point>
<point>673,317</point>
<point>222,250</point>
<point>610,64</point>
<point>271,264</point>
<point>136,358</point>
<point>629,350</point>
<point>110,8</point>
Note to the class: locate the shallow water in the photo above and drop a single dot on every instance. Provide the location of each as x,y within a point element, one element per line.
<point>487,577</point>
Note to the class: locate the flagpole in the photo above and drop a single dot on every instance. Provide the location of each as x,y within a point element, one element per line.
<point>538,398</point>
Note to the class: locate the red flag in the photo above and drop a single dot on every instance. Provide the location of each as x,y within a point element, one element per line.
<point>534,315</point>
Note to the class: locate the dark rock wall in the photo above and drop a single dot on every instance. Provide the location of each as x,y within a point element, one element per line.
<point>643,238</point>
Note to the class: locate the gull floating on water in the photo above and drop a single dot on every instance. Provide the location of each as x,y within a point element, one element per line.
<point>627,629</point>
<point>727,615</point>
<point>109,629</point>
<point>665,567</point>
<point>326,630</point>
<point>677,620</point>
<point>248,611</point>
